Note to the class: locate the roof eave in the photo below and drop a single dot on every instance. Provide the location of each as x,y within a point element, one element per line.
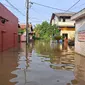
<point>78,15</point>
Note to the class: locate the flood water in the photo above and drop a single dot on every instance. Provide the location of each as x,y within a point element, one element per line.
<point>42,63</point>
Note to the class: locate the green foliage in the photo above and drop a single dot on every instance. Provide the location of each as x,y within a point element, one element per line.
<point>21,31</point>
<point>45,30</point>
<point>58,37</point>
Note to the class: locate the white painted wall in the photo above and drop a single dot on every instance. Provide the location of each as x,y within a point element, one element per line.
<point>55,21</point>
<point>79,46</point>
<point>71,23</point>
<point>60,23</point>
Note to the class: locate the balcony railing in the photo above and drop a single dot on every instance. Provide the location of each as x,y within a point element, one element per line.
<point>71,23</point>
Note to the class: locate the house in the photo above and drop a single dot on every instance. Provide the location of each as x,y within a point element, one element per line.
<point>80,32</point>
<point>22,26</point>
<point>8,29</point>
<point>22,32</point>
<point>64,23</point>
<point>30,32</point>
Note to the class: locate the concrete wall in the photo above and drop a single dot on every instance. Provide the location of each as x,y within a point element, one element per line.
<point>9,38</point>
<point>79,46</point>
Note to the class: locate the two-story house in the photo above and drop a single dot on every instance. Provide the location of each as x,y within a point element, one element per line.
<point>64,23</point>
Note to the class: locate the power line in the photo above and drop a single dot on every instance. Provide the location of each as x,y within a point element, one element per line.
<point>14,7</point>
<point>47,6</point>
<point>79,5</point>
<point>37,21</point>
<point>33,18</point>
<point>7,5</point>
<point>73,5</point>
<point>38,12</point>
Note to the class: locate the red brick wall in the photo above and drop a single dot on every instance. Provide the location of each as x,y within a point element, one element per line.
<point>10,28</point>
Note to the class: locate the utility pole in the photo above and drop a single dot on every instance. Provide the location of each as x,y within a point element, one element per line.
<point>27,21</point>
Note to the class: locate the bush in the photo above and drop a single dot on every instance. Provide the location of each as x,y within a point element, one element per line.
<point>57,37</point>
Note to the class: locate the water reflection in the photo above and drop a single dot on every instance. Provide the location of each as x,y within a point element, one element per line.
<point>8,63</point>
<point>23,65</point>
<point>54,53</point>
<point>42,63</point>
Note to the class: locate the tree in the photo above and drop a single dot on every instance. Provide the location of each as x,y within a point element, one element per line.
<point>45,30</point>
<point>21,31</point>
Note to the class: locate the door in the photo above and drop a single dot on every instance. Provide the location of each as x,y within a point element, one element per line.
<point>14,39</point>
<point>65,35</point>
<point>2,40</point>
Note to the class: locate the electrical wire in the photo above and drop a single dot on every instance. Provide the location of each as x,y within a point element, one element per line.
<point>47,6</point>
<point>38,21</point>
<point>14,7</point>
<point>73,5</point>
<point>79,6</point>
<point>38,12</point>
<point>7,5</point>
<point>33,18</point>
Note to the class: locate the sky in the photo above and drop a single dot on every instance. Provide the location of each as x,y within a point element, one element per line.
<point>38,14</point>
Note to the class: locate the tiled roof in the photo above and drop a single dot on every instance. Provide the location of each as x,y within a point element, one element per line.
<point>23,26</point>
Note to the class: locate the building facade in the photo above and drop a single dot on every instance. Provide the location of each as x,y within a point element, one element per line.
<point>80,32</point>
<point>8,29</point>
<point>64,23</point>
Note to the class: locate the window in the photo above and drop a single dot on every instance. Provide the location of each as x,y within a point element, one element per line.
<point>3,20</point>
<point>64,19</point>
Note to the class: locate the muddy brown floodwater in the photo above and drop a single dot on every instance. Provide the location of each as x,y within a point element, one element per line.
<point>42,63</point>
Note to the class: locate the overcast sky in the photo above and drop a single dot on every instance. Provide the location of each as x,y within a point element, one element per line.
<point>38,13</point>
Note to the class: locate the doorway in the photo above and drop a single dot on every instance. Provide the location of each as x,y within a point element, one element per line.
<point>65,35</point>
<point>2,40</point>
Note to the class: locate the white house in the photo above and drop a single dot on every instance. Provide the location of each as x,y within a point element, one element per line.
<point>64,23</point>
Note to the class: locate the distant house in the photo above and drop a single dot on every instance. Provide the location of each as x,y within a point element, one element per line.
<point>30,31</point>
<point>22,32</point>
<point>8,29</point>
<point>23,37</point>
<point>64,23</point>
<point>22,26</point>
<point>80,32</point>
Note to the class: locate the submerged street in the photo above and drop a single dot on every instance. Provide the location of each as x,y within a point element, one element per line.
<point>42,63</point>
<point>42,42</point>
